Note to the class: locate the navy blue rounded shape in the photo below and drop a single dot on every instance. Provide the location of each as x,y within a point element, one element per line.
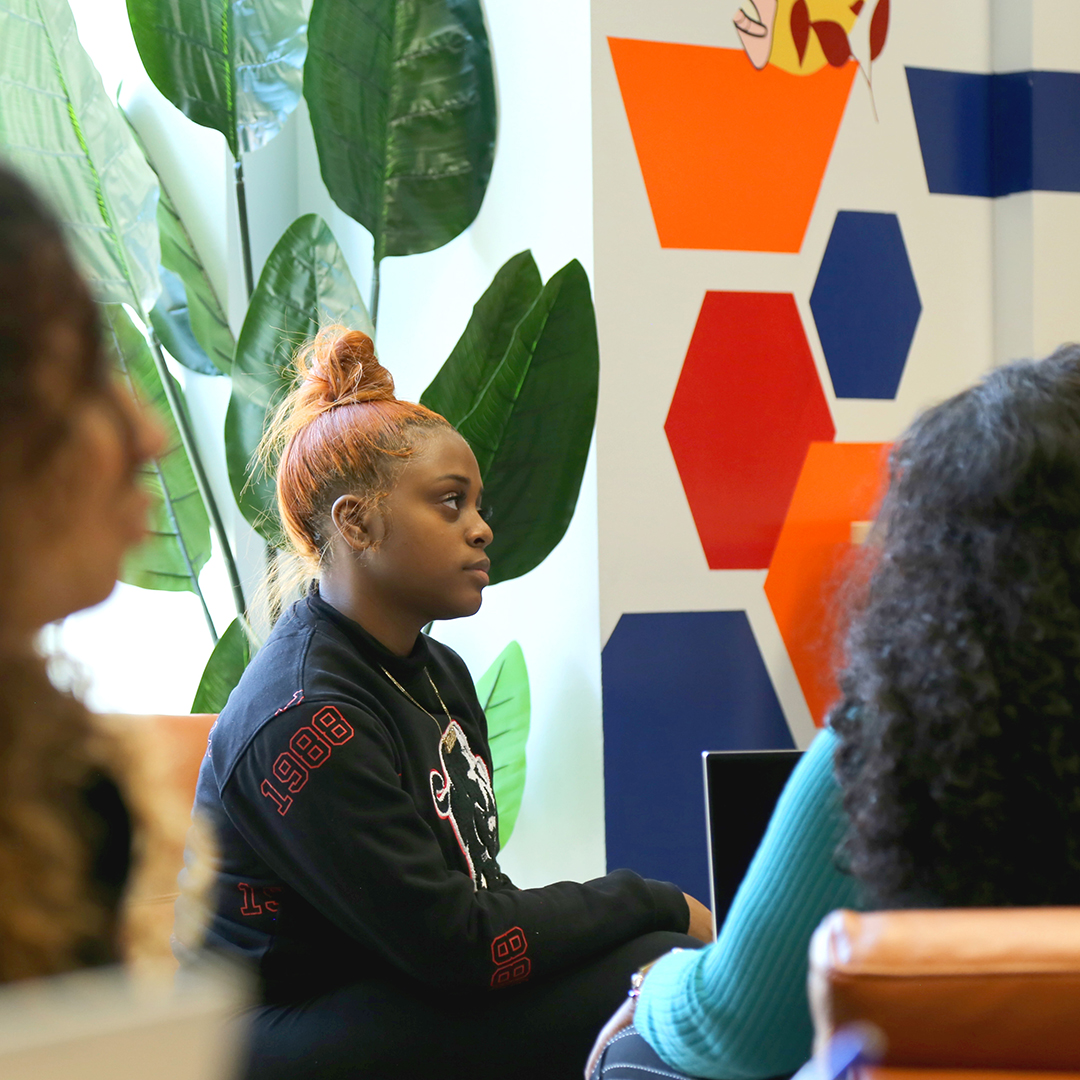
<point>865,305</point>
<point>677,684</point>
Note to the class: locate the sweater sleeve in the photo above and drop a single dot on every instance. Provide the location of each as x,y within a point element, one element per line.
<point>347,836</point>
<point>737,1010</point>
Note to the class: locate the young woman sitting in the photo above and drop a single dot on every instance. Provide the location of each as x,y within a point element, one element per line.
<point>349,782</point>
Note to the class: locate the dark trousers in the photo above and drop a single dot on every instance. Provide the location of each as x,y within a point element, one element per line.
<point>629,1057</point>
<point>399,1031</point>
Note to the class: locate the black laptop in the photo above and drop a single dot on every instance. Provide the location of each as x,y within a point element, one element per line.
<point>741,790</point>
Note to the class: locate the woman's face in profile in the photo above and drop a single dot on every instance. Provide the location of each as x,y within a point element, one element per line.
<point>85,507</point>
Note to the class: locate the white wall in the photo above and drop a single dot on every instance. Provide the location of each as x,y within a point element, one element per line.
<point>998,279</point>
<point>145,651</point>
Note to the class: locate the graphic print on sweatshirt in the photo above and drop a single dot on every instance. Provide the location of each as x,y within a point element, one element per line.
<point>464,796</point>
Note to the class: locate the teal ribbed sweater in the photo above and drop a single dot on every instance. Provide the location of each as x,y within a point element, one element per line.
<point>737,1009</point>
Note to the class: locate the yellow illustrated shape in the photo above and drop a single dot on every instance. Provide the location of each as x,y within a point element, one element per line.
<point>765,32</point>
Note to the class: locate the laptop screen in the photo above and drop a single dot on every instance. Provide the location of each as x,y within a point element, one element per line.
<point>741,790</point>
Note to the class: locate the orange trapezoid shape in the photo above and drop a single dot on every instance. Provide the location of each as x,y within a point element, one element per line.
<point>732,158</point>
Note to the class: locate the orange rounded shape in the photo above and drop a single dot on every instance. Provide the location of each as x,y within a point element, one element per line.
<point>840,486</point>
<point>732,157</point>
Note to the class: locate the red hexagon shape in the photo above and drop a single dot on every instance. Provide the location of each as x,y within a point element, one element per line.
<point>840,484</point>
<point>747,406</point>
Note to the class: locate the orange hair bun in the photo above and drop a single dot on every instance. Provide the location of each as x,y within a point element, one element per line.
<point>339,429</point>
<point>339,367</point>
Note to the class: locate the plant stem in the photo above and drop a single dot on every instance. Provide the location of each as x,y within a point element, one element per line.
<point>245,235</point>
<point>373,307</point>
<point>176,403</point>
<point>174,521</point>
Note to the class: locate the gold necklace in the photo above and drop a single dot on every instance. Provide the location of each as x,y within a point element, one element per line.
<point>449,737</point>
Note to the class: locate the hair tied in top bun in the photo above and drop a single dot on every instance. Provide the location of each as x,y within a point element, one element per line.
<point>340,368</point>
<point>318,449</point>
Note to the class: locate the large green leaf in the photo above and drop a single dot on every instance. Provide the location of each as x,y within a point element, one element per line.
<point>170,321</point>
<point>232,65</point>
<point>402,104</point>
<point>304,284</point>
<point>61,130</point>
<point>189,317</point>
<point>227,662</point>
<point>479,352</point>
<point>503,691</point>
<point>179,541</point>
<point>528,410</point>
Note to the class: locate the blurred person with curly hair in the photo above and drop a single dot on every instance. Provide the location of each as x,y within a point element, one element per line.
<point>959,727</point>
<point>949,771</point>
<point>71,442</point>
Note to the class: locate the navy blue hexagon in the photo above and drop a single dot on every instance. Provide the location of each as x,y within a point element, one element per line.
<point>865,304</point>
<point>676,684</point>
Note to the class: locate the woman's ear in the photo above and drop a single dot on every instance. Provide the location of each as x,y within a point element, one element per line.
<point>355,522</point>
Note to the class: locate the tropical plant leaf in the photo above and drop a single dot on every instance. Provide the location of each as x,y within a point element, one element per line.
<point>528,414</point>
<point>834,42</point>
<point>481,348</point>
<point>227,662</point>
<point>189,317</point>
<point>179,541</point>
<point>232,66</point>
<point>305,283</point>
<point>61,130</point>
<point>170,321</point>
<point>503,691</point>
<point>879,28</point>
<point>402,103</point>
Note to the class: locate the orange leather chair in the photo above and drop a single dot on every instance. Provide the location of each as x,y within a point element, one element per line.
<point>953,993</point>
<point>159,765</point>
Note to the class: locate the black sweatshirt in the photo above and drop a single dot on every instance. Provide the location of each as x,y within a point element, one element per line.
<point>358,834</point>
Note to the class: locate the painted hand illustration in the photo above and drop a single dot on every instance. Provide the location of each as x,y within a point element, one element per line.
<point>803,36</point>
<point>756,31</point>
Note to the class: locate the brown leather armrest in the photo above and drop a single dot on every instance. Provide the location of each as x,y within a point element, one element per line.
<point>973,988</point>
<point>157,759</point>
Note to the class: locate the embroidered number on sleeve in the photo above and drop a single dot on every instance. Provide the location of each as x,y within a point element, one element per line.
<point>508,954</point>
<point>267,893</point>
<point>310,748</point>
<point>292,773</point>
<point>333,727</point>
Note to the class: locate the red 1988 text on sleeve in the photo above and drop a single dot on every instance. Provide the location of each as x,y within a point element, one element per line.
<point>508,954</point>
<point>309,748</point>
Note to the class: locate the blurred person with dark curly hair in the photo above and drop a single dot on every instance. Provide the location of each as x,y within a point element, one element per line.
<point>71,442</point>
<point>954,748</point>
<point>959,727</point>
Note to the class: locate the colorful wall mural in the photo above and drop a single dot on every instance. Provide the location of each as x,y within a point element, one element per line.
<point>811,220</point>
